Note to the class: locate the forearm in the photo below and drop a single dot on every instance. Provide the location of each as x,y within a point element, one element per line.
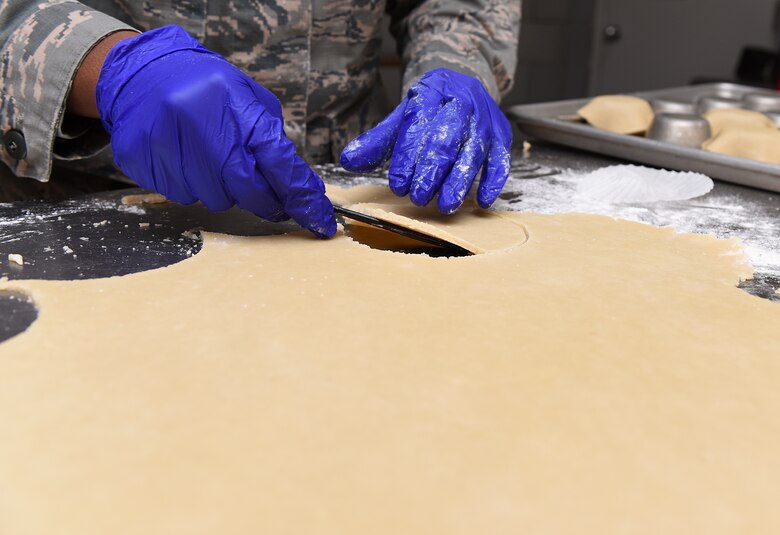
<point>474,37</point>
<point>81,99</point>
<point>43,44</point>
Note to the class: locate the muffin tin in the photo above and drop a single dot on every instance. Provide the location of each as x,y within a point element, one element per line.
<point>680,129</point>
<point>558,122</point>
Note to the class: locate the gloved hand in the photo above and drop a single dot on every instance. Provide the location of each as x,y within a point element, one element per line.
<point>188,124</point>
<point>441,134</point>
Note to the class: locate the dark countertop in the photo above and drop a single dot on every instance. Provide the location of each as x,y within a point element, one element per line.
<point>96,236</point>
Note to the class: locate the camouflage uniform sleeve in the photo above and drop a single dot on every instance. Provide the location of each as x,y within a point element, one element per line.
<point>42,44</point>
<point>475,37</point>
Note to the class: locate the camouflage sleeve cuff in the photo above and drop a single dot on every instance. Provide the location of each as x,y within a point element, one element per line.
<point>43,44</point>
<point>474,37</point>
<point>433,59</point>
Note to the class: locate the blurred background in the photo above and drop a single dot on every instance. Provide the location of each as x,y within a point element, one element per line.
<point>578,48</point>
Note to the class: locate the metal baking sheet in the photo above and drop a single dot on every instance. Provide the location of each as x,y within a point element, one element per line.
<point>544,121</point>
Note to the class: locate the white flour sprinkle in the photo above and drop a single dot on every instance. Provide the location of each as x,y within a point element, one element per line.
<point>724,215</point>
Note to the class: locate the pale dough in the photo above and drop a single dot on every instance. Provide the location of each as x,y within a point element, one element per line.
<point>761,144</point>
<point>474,229</point>
<point>593,376</point>
<point>144,198</point>
<point>721,119</point>
<point>621,114</point>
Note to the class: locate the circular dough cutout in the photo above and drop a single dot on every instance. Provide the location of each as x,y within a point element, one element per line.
<point>17,313</point>
<point>760,144</point>
<point>721,119</point>
<point>621,114</point>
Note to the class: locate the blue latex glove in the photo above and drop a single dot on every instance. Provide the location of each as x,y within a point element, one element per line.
<point>188,124</point>
<point>441,134</point>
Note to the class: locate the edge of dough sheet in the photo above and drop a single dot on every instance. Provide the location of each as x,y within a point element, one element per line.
<point>366,198</point>
<point>380,202</point>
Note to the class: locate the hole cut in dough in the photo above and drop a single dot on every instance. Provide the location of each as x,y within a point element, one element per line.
<point>384,240</point>
<point>17,313</point>
<point>479,231</point>
<point>622,114</point>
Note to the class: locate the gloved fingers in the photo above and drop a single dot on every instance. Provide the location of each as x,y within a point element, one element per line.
<point>470,159</point>
<point>445,136</point>
<point>191,162</point>
<point>251,191</point>
<point>269,101</point>
<point>373,148</point>
<point>495,173</point>
<point>195,166</point>
<point>181,166</point>
<point>300,191</point>
<point>153,172</point>
<point>305,201</point>
<point>422,107</point>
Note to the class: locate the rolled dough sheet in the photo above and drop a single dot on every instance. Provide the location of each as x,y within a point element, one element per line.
<point>622,114</point>
<point>603,376</point>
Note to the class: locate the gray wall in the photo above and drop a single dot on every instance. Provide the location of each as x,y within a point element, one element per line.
<point>554,51</point>
<point>563,52</point>
<point>553,54</point>
<point>666,43</point>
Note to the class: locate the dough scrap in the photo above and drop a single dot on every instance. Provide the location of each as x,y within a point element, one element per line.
<point>606,369</point>
<point>622,114</point>
<point>761,144</point>
<point>144,198</point>
<point>721,119</point>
